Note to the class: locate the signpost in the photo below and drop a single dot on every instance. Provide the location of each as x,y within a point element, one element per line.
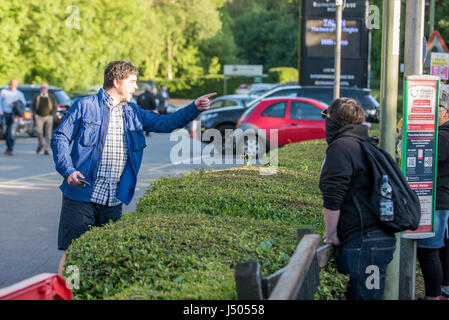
<point>419,146</point>
<point>439,65</point>
<point>243,70</point>
<point>318,43</point>
<point>255,70</point>
<point>435,44</point>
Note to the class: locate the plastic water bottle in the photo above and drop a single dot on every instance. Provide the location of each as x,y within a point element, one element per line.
<point>386,202</point>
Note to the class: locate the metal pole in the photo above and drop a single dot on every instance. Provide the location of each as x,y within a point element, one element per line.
<point>337,63</point>
<point>368,85</point>
<point>413,64</point>
<point>299,39</point>
<point>389,98</point>
<point>431,17</point>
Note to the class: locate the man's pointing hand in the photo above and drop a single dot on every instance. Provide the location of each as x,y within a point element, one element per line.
<point>203,103</point>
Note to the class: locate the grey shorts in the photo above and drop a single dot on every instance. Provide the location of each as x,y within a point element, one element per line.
<point>77,217</point>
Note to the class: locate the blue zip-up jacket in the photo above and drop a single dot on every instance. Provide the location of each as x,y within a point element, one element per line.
<point>86,124</point>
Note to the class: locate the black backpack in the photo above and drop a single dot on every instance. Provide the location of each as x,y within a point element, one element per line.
<point>406,205</point>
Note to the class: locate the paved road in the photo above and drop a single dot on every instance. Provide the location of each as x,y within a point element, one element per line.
<point>30,203</point>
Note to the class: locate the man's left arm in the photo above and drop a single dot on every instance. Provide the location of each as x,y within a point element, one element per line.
<point>167,123</point>
<point>22,98</point>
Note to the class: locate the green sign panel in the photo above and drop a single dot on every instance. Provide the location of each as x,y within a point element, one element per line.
<point>419,146</point>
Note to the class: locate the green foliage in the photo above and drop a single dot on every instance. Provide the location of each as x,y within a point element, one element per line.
<point>283,74</point>
<point>214,66</point>
<point>332,283</point>
<point>239,192</point>
<point>175,256</point>
<point>187,233</point>
<point>269,38</point>
<point>69,45</point>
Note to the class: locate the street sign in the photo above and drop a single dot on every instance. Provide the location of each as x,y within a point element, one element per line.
<point>435,44</point>
<point>243,70</point>
<point>318,42</point>
<point>419,147</point>
<point>439,65</point>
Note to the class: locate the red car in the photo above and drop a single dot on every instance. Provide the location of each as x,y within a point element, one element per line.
<point>296,119</point>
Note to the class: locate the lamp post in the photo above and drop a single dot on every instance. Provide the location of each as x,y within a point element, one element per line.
<point>337,62</point>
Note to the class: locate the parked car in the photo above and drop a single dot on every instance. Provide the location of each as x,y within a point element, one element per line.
<point>26,123</point>
<point>231,100</point>
<point>295,119</point>
<point>326,94</point>
<point>255,86</point>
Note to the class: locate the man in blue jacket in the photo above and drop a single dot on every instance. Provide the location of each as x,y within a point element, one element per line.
<point>107,136</point>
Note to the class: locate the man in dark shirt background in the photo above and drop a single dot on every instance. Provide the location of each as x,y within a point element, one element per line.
<point>147,100</point>
<point>44,108</point>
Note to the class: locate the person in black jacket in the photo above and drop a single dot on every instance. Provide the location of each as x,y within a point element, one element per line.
<point>433,253</point>
<point>147,100</point>
<point>366,248</point>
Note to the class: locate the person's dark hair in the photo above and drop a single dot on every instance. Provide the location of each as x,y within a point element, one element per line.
<point>346,111</point>
<point>117,69</point>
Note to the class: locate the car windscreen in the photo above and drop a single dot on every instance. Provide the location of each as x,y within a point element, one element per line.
<point>62,97</point>
<point>324,95</point>
<point>278,93</point>
<point>246,101</point>
<point>29,94</point>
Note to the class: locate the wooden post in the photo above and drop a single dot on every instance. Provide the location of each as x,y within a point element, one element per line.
<point>289,284</point>
<point>300,233</point>
<point>248,281</point>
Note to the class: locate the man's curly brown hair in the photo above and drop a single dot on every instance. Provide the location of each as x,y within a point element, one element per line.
<point>117,69</point>
<point>346,111</point>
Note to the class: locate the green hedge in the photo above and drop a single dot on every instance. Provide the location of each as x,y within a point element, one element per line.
<point>283,74</point>
<point>187,233</point>
<point>176,256</point>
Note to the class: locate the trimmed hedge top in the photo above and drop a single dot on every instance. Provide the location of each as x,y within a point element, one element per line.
<point>283,197</point>
<point>176,256</point>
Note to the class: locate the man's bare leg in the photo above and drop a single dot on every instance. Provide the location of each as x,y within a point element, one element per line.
<point>62,264</point>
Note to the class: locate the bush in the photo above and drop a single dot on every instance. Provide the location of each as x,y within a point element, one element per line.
<point>175,256</point>
<point>284,197</point>
<point>283,74</point>
<point>187,233</point>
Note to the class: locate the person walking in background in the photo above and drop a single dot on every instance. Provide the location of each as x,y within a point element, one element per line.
<point>44,109</point>
<point>106,132</point>
<point>147,100</point>
<point>346,169</point>
<point>8,99</point>
<point>163,100</point>
<point>433,253</point>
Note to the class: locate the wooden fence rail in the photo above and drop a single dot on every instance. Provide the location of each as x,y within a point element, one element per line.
<point>297,281</point>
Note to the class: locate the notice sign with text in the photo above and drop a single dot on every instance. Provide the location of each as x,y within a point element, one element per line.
<point>440,65</point>
<point>419,147</point>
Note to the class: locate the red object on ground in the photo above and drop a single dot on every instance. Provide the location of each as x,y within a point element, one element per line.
<point>45,286</point>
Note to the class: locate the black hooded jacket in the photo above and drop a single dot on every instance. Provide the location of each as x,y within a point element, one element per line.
<point>442,200</point>
<point>344,169</point>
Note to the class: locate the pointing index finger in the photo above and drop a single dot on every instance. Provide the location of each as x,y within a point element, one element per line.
<point>207,96</point>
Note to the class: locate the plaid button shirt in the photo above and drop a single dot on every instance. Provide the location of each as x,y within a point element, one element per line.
<point>113,158</point>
